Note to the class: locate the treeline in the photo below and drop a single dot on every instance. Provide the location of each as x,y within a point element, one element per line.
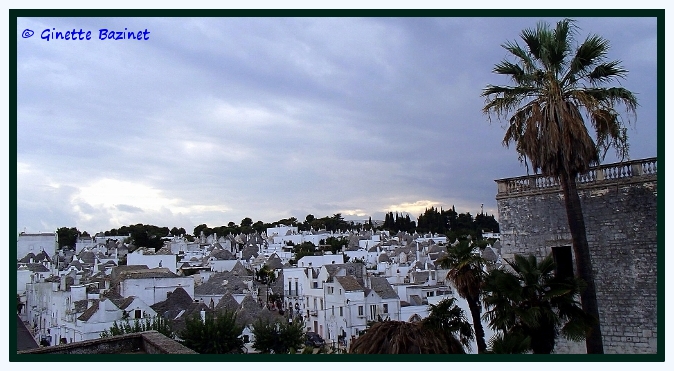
<point>67,237</point>
<point>330,223</point>
<point>447,222</point>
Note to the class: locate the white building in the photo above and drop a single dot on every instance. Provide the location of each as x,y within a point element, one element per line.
<point>163,258</point>
<point>152,285</point>
<point>317,261</point>
<point>35,243</point>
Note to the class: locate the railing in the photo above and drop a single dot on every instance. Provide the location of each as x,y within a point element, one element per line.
<point>603,173</point>
<point>292,292</point>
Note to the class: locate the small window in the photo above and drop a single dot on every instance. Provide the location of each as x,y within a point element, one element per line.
<point>137,314</point>
<point>360,310</point>
<point>341,311</point>
<point>385,308</point>
<point>333,310</point>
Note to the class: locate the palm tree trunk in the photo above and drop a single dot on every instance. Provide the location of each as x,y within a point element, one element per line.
<point>581,250</point>
<point>475,312</point>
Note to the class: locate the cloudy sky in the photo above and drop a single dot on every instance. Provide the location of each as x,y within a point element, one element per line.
<point>212,120</point>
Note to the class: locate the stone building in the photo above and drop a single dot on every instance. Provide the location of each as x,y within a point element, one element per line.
<point>620,208</point>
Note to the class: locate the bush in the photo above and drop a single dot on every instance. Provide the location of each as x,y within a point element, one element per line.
<point>216,334</point>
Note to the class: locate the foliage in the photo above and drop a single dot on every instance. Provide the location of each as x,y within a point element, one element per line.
<point>304,249</point>
<point>553,84</point>
<point>398,222</point>
<point>335,244</point>
<point>142,235</point>
<point>528,301</point>
<point>396,337</point>
<point>509,343</point>
<point>265,275</point>
<point>175,231</point>
<point>329,223</point>
<point>467,272</point>
<point>67,236</point>
<point>217,334</point>
<point>447,318</point>
<point>278,337</point>
<point>139,325</point>
<point>557,86</point>
<point>449,222</point>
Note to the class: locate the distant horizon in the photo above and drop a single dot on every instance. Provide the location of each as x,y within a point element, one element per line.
<point>189,231</point>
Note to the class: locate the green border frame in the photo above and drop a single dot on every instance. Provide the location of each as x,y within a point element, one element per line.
<point>656,13</point>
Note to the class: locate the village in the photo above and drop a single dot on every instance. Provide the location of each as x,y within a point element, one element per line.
<point>67,296</point>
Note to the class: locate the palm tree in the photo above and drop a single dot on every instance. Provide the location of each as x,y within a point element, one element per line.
<point>451,321</point>
<point>557,87</point>
<point>397,337</point>
<point>531,307</point>
<point>466,272</point>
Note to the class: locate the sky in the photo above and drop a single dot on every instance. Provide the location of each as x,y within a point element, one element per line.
<point>212,120</point>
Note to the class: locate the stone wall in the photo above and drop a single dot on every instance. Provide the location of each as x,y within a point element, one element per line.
<point>149,342</point>
<point>620,212</point>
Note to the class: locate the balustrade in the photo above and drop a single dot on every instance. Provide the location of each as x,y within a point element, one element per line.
<point>602,173</point>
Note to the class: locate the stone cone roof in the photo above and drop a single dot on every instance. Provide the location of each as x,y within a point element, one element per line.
<point>227,303</point>
<point>249,311</point>
<point>178,300</point>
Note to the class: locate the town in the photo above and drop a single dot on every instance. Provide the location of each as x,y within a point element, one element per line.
<point>69,296</point>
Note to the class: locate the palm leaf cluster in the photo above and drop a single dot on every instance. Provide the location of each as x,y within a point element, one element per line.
<point>397,337</point>
<point>467,272</point>
<point>556,85</point>
<point>529,307</point>
<point>450,320</point>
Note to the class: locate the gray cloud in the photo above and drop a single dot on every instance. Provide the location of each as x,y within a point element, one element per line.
<point>217,119</point>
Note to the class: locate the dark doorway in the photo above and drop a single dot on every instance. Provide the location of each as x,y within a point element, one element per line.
<point>563,261</point>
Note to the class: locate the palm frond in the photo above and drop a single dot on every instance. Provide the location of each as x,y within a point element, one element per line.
<point>591,52</point>
<point>606,72</point>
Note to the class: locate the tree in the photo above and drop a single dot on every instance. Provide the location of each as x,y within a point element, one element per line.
<point>336,244</point>
<point>396,337</point>
<point>278,337</point>
<point>557,87</point>
<point>246,222</point>
<point>216,334</point>
<point>304,249</point>
<point>175,231</point>
<point>451,321</point>
<point>467,272</point>
<point>157,323</point>
<point>67,236</point>
<point>531,307</point>
<point>265,275</point>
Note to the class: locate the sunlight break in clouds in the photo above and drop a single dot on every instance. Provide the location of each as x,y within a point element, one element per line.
<point>112,192</point>
<point>413,208</point>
